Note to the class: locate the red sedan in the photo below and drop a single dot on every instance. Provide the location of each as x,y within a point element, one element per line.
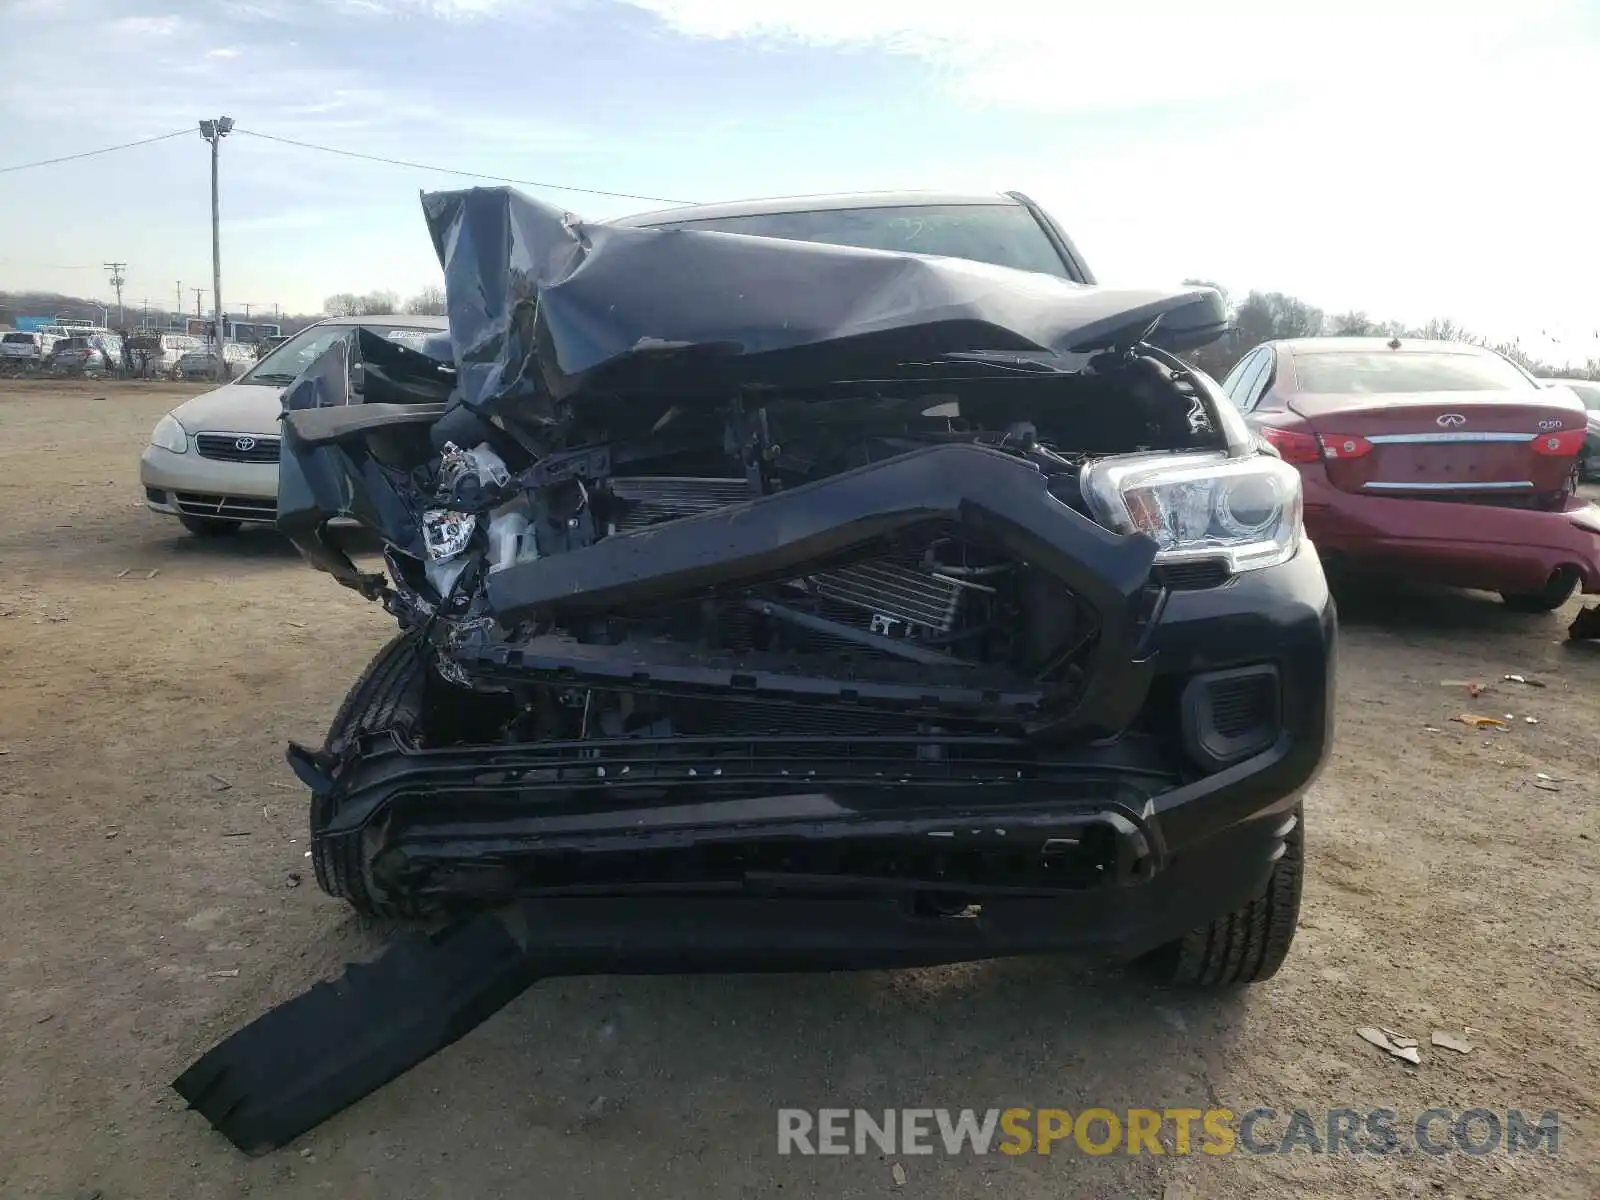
<point>1439,460</point>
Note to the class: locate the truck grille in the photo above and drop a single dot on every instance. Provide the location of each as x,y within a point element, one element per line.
<point>228,508</point>
<point>238,447</point>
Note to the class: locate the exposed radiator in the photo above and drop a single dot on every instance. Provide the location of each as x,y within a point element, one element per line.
<point>889,597</point>
<point>651,499</point>
<point>892,594</point>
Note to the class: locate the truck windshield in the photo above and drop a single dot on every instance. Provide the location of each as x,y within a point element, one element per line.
<point>1006,235</point>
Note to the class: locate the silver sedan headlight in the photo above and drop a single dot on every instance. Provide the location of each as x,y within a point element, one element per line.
<point>170,435</point>
<point>1244,510</point>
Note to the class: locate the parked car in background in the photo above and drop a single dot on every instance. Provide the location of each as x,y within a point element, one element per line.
<point>1588,393</point>
<point>26,347</point>
<point>93,354</point>
<point>1436,459</point>
<point>156,355</point>
<point>212,462</point>
<point>201,361</point>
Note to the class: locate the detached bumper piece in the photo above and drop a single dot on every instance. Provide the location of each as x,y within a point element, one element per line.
<point>296,1065</point>
<point>315,1055</point>
<point>675,868</point>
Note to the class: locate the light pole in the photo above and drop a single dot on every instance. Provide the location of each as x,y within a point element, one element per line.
<point>214,132</point>
<point>117,280</point>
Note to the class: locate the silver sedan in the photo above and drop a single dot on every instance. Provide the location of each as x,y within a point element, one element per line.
<point>212,462</point>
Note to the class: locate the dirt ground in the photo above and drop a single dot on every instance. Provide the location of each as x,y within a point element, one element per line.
<point>157,896</point>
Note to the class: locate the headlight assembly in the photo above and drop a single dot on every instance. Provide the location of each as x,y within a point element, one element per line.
<point>170,435</point>
<point>1244,510</point>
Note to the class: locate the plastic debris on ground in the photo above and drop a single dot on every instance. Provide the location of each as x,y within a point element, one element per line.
<point>1477,722</point>
<point>1449,1041</point>
<point>1380,1039</point>
<point>1526,680</point>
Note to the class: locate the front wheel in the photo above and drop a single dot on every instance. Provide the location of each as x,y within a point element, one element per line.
<point>387,697</point>
<point>1556,592</point>
<point>1249,944</point>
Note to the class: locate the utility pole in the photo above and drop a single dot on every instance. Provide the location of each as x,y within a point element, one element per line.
<point>117,280</point>
<point>177,313</point>
<point>198,292</point>
<point>214,132</point>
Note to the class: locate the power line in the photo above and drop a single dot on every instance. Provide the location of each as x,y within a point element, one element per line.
<point>34,266</point>
<point>46,162</point>
<point>377,158</point>
<point>400,162</point>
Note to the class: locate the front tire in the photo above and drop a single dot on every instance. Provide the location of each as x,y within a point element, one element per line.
<point>388,697</point>
<point>1555,593</point>
<point>1249,944</point>
<point>209,526</point>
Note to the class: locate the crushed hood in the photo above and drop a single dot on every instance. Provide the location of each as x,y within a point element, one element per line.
<point>545,308</point>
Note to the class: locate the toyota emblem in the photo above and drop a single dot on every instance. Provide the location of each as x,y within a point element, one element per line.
<point>1450,420</point>
<point>244,443</point>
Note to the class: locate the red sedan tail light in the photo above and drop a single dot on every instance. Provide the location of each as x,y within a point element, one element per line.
<point>1565,444</point>
<point>1344,445</point>
<point>1292,447</point>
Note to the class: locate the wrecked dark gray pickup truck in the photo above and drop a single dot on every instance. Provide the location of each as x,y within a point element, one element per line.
<point>858,605</point>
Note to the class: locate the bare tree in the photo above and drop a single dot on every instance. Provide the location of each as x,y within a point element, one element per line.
<point>349,304</point>
<point>1354,324</point>
<point>429,302</point>
<point>341,304</point>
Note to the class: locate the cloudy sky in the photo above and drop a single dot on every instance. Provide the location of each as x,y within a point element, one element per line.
<point>1412,158</point>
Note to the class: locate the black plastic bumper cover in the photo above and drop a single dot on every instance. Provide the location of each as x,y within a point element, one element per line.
<point>311,1057</point>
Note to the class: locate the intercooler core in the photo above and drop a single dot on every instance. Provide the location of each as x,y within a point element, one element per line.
<point>894,598</point>
<point>902,601</point>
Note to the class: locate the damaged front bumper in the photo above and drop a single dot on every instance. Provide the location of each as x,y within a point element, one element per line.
<point>876,849</point>
<point>882,869</point>
<point>1112,808</point>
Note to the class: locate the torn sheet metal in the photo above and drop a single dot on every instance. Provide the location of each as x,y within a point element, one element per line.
<point>363,367</point>
<point>545,307</point>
